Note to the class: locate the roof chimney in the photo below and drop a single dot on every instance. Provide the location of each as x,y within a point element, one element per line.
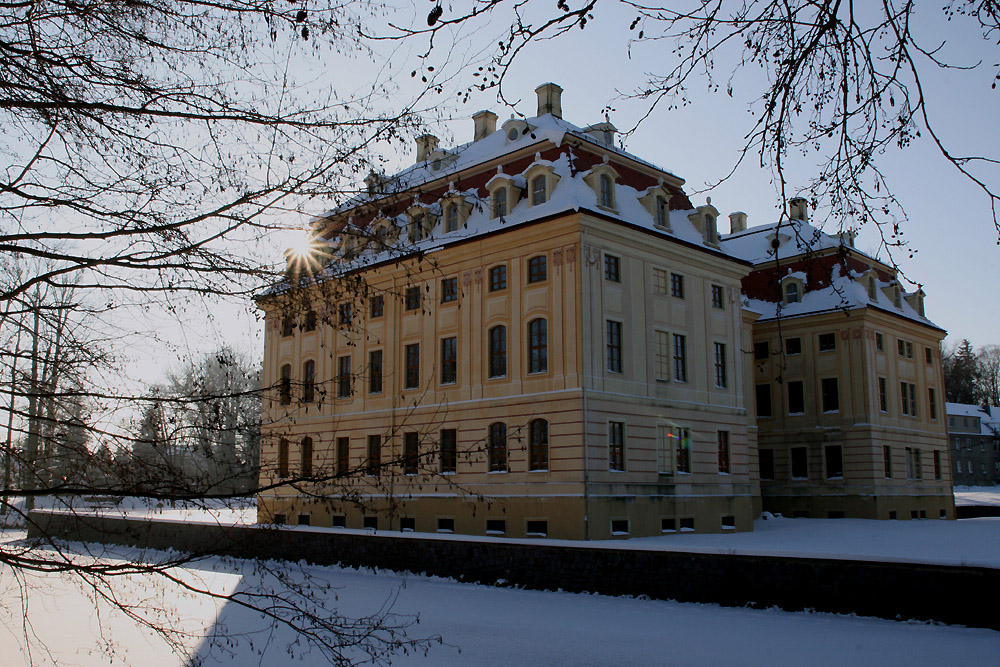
<point>798,209</point>
<point>737,222</point>
<point>549,99</point>
<point>486,124</point>
<point>426,143</point>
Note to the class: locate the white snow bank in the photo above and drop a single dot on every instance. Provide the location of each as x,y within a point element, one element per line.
<point>977,495</point>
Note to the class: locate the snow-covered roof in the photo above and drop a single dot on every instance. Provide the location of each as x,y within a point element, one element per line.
<point>989,418</point>
<point>795,239</point>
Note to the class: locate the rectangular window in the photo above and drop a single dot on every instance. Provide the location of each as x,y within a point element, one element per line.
<point>449,360</point>
<point>720,365</point>
<point>411,453</point>
<point>496,526</point>
<point>766,459</point>
<point>680,358</point>
<point>376,306</point>
<point>449,450</point>
<point>498,278</point>
<point>345,311</point>
<point>616,446</point>
<point>724,462</point>
<point>343,456</point>
<point>682,440</point>
<point>614,346</point>
<point>908,398</point>
<point>887,461</point>
<point>536,528</point>
<point>449,290</point>
<point>310,323</point>
<point>660,281</point>
<point>411,356</point>
<point>538,346</point>
<point>883,395</point>
<point>830,394</point>
<point>343,377</point>
<point>879,342</point>
<point>375,372</point>
<point>937,466</point>
<point>412,298</point>
<point>793,346</point>
<point>800,462</point>
<point>306,457</point>
<point>717,300</point>
<point>763,395</point>
<point>931,403</point>
<point>374,454</point>
<point>834,461</point>
<point>913,464</point>
<point>287,326</point>
<point>661,354</point>
<point>928,355</point>
<point>498,351</point>
<point>285,385</point>
<point>901,347</point>
<point>664,450</point>
<point>909,350</point>
<point>612,269</point>
<point>761,350</point>
<point>537,269</point>
<point>796,398</point>
<point>827,342</point>
<point>496,445</point>
<point>677,285</point>
<point>282,458</point>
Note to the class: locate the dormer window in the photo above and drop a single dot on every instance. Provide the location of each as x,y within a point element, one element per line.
<point>451,218</point>
<point>422,221</point>
<point>607,191</point>
<point>711,231</point>
<point>792,293</point>
<point>662,212</point>
<point>896,300</point>
<point>872,289</point>
<point>538,190</point>
<point>383,233</point>
<point>704,220</point>
<point>499,202</point>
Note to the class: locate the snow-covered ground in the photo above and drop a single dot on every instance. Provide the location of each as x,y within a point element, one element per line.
<point>977,495</point>
<point>62,623</point>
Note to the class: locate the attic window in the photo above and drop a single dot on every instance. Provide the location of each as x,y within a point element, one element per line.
<point>538,191</point>
<point>607,191</point>
<point>512,134</point>
<point>792,293</point>
<point>895,298</point>
<point>500,202</point>
<point>662,211</point>
<point>872,293</point>
<point>711,233</point>
<point>451,218</point>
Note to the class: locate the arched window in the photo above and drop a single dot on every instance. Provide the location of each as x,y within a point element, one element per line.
<point>662,212</point>
<point>792,293</point>
<point>497,447</point>
<point>711,233</point>
<point>285,385</point>
<point>309,381</point>
<point>416,231</point>
<point>282,458</point>
<point>451,218</point>
<point>310,323</point>
<point>538,191</point>
<point>538,445</point>
<point>538,346</point>
<point>306,456</point>
<point>607,191</point>
<point>500,202</point>
<point>498,351</point>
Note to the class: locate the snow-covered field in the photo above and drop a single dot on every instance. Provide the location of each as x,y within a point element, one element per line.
<point>52,619</point>
<point>977,495</point>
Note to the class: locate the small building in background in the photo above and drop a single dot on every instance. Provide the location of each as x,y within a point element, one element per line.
<point>974,432</point>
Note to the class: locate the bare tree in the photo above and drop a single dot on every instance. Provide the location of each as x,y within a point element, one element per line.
<point>988,360</point>
<point>845,81</point>
<point>148,149</point>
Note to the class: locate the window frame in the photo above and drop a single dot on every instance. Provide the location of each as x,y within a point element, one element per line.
<point>375,362</point>
<point>829,396</point>
<point>411,453</point>
<point>718,297</point>
<point>449,290</point>
<point>538,346</point>
<point>411,298</point>
<point>721,370</point>
<point>376,307</point>
<point>539,195</point>
<point>343,453</point>
<point>799,399</point>
<point>497,460</point>
<point>308,381</point>
<point>793,463</point>
<point>285,384</point>
<point>614,349</point>
<point>826,342</point>
<point>616,446</point>
<point>373,461</point>
<point>538,445</point>
<point>448,451</point>
<point>676,285</point>
<point>496,340</point>
<point>538,269</point>
<point>680,358</point>
<point>282,467</point>
<point>612,268</point>
<point>449,360</point>
<point>723,439</point>
<point>498,278</point>
<point>306,457</point>
<point>411,366</point>
<point>344,376</point>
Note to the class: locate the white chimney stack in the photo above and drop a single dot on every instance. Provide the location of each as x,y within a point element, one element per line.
<point>486,124</point>
<point>549,99</point>
<point>798,209</point>
<point>426,143</point>
<point>737,222</point>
